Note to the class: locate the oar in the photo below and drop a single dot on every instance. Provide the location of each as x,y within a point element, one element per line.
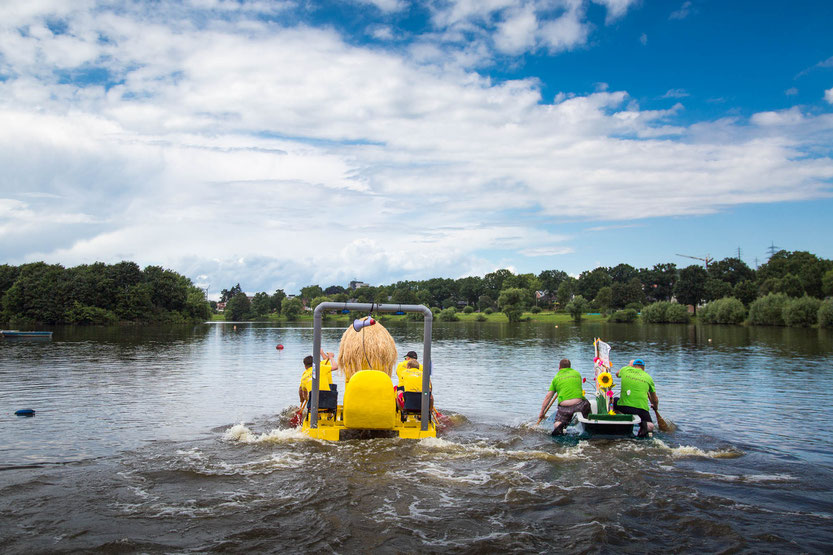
<point>663,425</point>
<point>548,409</point>
<point>295,420</point>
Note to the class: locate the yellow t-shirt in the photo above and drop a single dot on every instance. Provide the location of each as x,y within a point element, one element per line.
<point>402,370</point>
<point>324,380</point>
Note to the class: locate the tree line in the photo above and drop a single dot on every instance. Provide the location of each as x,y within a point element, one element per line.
<point>40,293</point>
<point>605,289</point>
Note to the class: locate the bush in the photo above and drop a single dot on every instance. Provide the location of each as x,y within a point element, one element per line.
<point>665,312</point>
<point>727,310</point>
<point>677,314</point>
<point>577,307</point>
<point>89,315</point>
<point>802,312</point>
<point>623,316</point>
<point>825,316</point>
<point>488,310</point>
<point>768,310</point>
<point>481,318</point>
<point>635,306</point>
<point>469,309</point>
<point>449,315</point>
<point>535,309</point>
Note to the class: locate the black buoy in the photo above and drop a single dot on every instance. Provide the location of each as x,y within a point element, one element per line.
<point>25,412</point>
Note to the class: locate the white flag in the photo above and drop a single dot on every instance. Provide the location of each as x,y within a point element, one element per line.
<point>604,352</point>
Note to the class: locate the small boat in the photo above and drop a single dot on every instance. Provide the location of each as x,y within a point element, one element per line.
<point>17,333</point>
<point>369,407</point>
<point>601,423</point>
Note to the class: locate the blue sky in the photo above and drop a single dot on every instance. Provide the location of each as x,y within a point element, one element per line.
<point>279,144</point>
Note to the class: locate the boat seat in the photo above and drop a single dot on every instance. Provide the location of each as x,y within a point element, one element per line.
<point>413,401</point>
<point>328,400</point>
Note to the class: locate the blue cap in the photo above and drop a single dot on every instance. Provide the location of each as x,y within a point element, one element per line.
<point>639,362</point>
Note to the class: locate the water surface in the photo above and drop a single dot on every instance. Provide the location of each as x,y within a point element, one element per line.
<point>174,439</point>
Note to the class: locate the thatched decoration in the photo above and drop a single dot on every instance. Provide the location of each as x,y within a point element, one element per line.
<point>370,348</point>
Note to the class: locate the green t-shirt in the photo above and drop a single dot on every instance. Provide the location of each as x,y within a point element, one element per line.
<point>567,384</point>
<point>636,383</point>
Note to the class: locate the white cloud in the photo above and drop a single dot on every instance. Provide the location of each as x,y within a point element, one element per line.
<point>643,39</point>
<point>792,91</point>
<point>683,12</point>
<point>675,93</point>
<point>828,95</point>
<point>387,6</point>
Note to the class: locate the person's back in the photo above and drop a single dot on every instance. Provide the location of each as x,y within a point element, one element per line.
<point>637,395</point>
<point>566,387</point>
<point>636,384</point>
<point>325,378</point>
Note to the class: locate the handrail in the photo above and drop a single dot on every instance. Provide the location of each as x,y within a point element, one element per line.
<point>317,319</point>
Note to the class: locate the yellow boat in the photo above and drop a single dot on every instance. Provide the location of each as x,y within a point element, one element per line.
<point>369,406</point>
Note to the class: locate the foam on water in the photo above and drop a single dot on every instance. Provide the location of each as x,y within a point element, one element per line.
<point>241,434</point>
<point>683,451</point>
<point>481,448</point>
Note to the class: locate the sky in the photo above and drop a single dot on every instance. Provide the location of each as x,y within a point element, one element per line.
<point>278,144</point>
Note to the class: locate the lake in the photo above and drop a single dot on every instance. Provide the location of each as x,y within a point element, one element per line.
<point>174,439</point>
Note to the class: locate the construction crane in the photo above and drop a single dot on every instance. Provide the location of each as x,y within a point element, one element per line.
<point>707,259</point>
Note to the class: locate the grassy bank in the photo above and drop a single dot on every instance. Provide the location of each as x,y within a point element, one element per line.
<point>547,317</point>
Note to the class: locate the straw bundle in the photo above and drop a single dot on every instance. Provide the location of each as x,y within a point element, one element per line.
<point>370,348</point>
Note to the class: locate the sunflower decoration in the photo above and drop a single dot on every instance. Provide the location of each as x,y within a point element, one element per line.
<point>605,380</point>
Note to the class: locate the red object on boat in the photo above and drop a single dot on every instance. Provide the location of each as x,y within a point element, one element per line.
<point>279,347</point>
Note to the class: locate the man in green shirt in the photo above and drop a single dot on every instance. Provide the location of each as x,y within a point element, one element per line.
<point>567,386</point>
<point>637,389</point>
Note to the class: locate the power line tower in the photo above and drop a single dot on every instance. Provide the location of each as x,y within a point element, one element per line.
<point>772,249</point>
<point>739,258</point>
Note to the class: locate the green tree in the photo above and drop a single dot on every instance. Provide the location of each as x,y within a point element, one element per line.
<point>493,282</point>
<point>826,284</point>
<point>470,288</point>
<point>717,289</point>
<point>484,302</point>
<point>238,307</point>
<point>691,286</point>
<point>577,307</point>
<point>292,308</point>
<point>807,267</point>
<point>624,294</point>
<point>512,302</point>
<point>590,282</point>
<point>604,298</point>
<point>551,280</point>
<point>275,300</point>
<point>38,294</point>
<point>623,273</point>
<point>745,291</point>
<point>731,270</point>
<point>334,290</point>
<point>227,294</point>
<point>309,292</point>
<point>566,291</point>
<point>659,282</point>
<point>261,304</point>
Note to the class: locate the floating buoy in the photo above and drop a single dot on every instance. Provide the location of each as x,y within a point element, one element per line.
<point>24,412</point>
<point>279,347</point>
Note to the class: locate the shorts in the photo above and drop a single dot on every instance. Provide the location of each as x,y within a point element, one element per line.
<point>565,414</point>
<point>643,415</point>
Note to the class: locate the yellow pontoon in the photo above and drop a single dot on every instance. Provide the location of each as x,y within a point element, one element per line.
<point>369,397</point>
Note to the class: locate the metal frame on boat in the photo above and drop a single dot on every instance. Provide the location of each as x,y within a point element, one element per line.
<point>369,389</point>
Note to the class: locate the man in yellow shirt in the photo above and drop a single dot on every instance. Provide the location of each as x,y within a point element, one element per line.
<point>325,379</point>
<point>402,370</point>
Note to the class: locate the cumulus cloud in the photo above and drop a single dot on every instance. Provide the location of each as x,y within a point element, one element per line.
<point>246,150</point>
<point>828,95</point>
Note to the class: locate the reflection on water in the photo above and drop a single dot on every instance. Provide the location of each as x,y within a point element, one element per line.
<point>172,439</point>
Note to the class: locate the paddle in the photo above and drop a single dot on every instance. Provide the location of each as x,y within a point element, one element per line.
<point>663,425</point>
<point>546,411</point>
<point>297,418</point>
